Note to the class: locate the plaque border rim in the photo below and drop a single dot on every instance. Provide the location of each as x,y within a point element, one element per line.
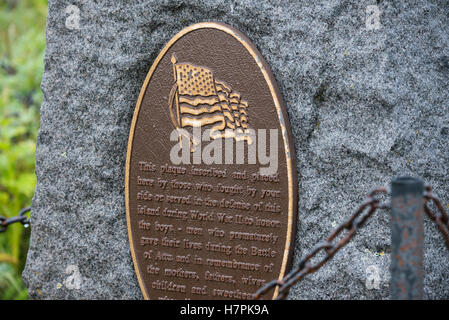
<point>289,147</point>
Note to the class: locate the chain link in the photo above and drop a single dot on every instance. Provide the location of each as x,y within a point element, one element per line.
<point>305,267</point>
<point>21,217</point>
<point>353,224</point>
<point>440,217</point>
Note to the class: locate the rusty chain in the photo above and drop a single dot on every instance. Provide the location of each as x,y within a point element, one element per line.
<point>21,217</point>
<point>304,267</point>
<point>353,224</point>
<point>441,217</point>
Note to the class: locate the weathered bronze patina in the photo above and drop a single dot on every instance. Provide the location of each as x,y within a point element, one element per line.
<point>214,227</point>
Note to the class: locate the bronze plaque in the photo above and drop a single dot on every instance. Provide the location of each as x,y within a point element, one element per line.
<point>211,189</point>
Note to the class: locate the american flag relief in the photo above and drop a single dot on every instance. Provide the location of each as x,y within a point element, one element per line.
<point>197,99</point>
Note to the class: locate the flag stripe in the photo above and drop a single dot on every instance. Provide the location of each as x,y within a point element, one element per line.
<point>228,115</point>
<point>230,125</point>
<point>222,96</point>
<point>197,110</point>
<point>221,85</point>
<point>205,120</point>
<point>199,100</point>
<point>225,106</point>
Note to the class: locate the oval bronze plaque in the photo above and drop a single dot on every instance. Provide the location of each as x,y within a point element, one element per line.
<point>211,191</point>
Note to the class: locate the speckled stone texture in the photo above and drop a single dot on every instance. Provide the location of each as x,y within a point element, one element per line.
<point>365,105</point>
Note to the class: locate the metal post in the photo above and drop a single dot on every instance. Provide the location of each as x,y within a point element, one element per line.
<point>407,235</point>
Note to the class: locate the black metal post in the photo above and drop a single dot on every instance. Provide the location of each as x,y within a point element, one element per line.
<point>407,236</point>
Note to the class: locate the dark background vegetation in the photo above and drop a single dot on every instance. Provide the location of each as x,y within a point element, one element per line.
<point>22,44</point>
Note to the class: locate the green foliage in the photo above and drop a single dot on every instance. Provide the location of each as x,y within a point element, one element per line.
<point>22,44</point>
